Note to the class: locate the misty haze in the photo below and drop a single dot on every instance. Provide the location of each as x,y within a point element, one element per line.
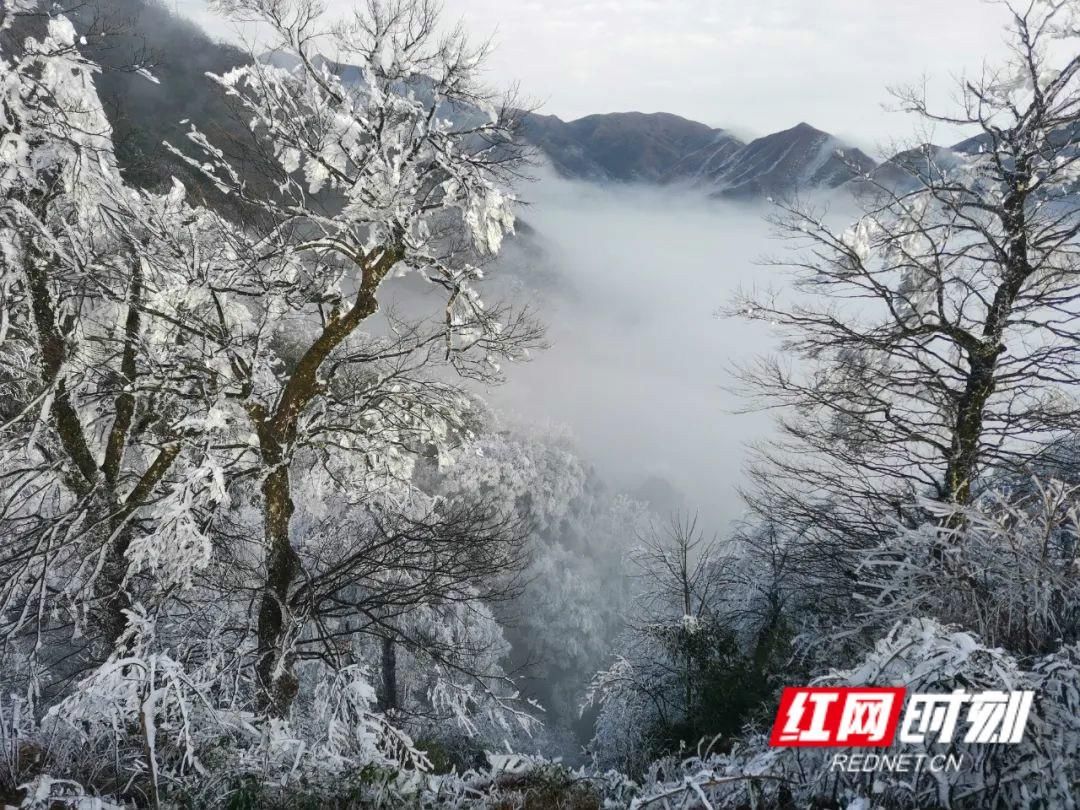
<point>630,280</point>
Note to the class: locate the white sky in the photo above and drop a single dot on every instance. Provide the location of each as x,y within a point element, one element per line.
<point>754,66</point>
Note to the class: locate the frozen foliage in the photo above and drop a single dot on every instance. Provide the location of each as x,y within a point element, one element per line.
<point>575,590</point>
<point>416,154</point>
<point>922,655</point>
<point>261,545</point>
<point>54,127</point>
<point>212,528</point>
<point>926,656</point>
<point>937,335</point>
<point>686,669</point>
<point>1001,569</point>
<point>405,170</point>
<point>108,460</point>
<point>1005,568</point>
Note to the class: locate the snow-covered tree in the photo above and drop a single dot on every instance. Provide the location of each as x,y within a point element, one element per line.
<point>937,335</point>
<point>403,166</point>
<point>167,369</point>
<point>681,672</point>
<point>1003,568</point>
<point>110,466</point>
<point>924,656</point>
<point>575,592</point>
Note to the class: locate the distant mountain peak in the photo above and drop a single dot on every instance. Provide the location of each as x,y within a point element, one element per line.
<point>908,169</point>
<point>623,146</point>
<point>666,148</point>
<point>802,157</point>
<point>662,147</point>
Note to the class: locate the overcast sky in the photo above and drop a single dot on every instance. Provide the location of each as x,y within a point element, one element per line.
<point>754,66</point>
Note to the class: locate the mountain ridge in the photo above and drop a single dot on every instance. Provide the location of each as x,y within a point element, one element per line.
<point>667,148</point>
<point>658,148</point>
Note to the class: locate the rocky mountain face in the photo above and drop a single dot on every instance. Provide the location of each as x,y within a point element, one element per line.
<point>908,169</point>
<point>786,162</point>
<point>633,146</point>
<point>664,148</point>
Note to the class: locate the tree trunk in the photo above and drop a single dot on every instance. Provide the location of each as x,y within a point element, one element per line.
<point>967,432</point>
<point>114,570</point>
<point>277,431</point>
<point>108,511</point>
<point>388,694</point>
<point>275,668</point>
<point>963,458</point>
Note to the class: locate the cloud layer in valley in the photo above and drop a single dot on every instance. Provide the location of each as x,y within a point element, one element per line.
<point>629,279</point>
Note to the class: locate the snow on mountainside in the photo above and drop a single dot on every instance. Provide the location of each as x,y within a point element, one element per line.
<point>660,147</point>
<point>632,146</point>
<point>653,148</point>
<point>908,169</point>
<point>798,158</point>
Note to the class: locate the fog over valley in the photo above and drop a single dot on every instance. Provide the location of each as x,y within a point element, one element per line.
<point>630,280</point>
